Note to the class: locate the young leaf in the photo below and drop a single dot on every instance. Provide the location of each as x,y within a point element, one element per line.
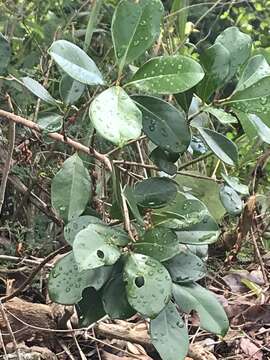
<point>165,125</point>
<point>234,183</point>
<point>159,243</point>
<point>194,297</point>
<point>221,115</point>
<point>238,45</point>
<point>5,53</point>
<point>155,192</point>
<point>135,26</point>
<point>97,245</point>
<point>38,90</point>
<point>50,122</point>
<point>90,308</point>
<point>66,283</point>
<point>70,90</point>
<point>148,284</point>
<point>75,62</point>
<point>71,189</point>
<point>169,334</point>
<point>221,146</point>
<point>168,75</point>
<point>185,267</point>
<point>230,200</point>
<point>115,116</point>
<point>162,160</point>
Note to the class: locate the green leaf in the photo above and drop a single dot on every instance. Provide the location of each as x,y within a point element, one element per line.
<point>155,192</point>
<point>221,146</point>
<point>97,245</point>
<point>75,62</point>
<point>131,200</point>
<point>185,267</point>
<point>222,116</point>
<point>148,284</point>
<point>184,99</point>
<point>78,224</point>
<point>66,283</point>
<point>159,243</point>
<point>70,90</point>
<point>38,90</point>
<point>115,116</point>
<point>71,188</point>
<point>115,300</point>
<point>165,125</point>
<point>161,159</point>
<point>246,124</point>
<point>230,200</point>
<point>238,45</point>
<point>190,219</point>
<point>135,26</point>
<point>50,122</point>
<point>90,308</point>
<point>169,334</point>
<point>234,183</point>
<point>216,63</point>
<point>168,75</point>
<point>262,130</point>
<point>194,297</point>
<point>5,54</point>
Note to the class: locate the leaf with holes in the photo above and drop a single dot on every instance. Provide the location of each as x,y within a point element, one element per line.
<point>50,122</point>
<point>222,116</point>
<point>162,160</point>
<point>90,308</point>
<point>71,189</point>
<point>165,125</point>
<point>70,90</point>
<point>38,90</point>
<point>75,62</point>
<point>115,116</point>
<point>234,183</point>
<point>97,245</point>
<point>155,192</point>
<point>135,26</point>
<point>230,200</point>
<point>194,297</point>
<point>169,334</point>
<point>148,284</point>
<point>5,53</point>
<point>159,243</point>
<point>66,283</point>
<point>168,75</point>
<point>185,266</point>
<point>76,225</point>
<point>221,146</point>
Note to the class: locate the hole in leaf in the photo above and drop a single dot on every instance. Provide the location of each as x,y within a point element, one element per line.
<point>139,281</point>
<point>100,254</point>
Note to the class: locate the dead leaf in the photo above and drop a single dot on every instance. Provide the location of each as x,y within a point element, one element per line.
<point>250,349</point>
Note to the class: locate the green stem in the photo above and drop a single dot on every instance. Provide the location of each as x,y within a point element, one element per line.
<point>93,19</point>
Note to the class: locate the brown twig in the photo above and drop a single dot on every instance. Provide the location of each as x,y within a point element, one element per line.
<point>258,254</point>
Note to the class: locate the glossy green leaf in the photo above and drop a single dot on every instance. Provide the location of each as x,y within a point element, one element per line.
<point>222,116</point>
<point>90,308</point>
<point>50,122</point>
<point>230,200</point>
<point>115,116</point>
<point>169,334</point>
<point>135,26</point>
<point>262,130</point>
<point>115,300</point>
<point>155,192</point>
<point>71,188</point>
<point>132,203</point>
<point>159,243</point>
<point>168,75</point>
<point>38,90</point>
<point>184,99</point>
<point>78,224</point>
<point>199,250</point>
<point>216,63</point>
<point>185,267</point>
<point>221,146</point>
<point>234,183</point>
<point>75,62</point>
<point>66,283</point>
<point>165,125</point>
<point>161,159</point>
<point>97,245</point>
<point>5,53</point>
<point>238,45</point>
<point>194,297</point>
<point>70,90</point>
<point>246,124</point>
<point>148,284</point>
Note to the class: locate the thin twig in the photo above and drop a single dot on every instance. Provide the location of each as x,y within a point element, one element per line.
<point>257,251</point>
